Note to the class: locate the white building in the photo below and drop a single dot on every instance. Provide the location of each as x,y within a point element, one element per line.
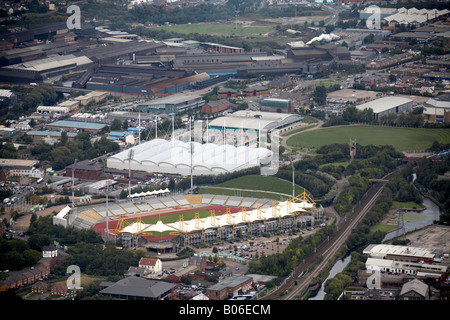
<point>387,105</point>
<point>152,265</point>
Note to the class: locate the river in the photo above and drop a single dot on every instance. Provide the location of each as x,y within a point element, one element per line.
<point>338,267</point>
<point>432,212</point>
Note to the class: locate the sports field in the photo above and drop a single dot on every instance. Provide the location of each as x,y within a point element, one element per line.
<point>166,216</point>
<point>219,29</point>
<point>255,186</point>
<point>402,139</point>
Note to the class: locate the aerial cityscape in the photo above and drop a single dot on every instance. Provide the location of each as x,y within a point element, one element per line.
<point>235,151</point>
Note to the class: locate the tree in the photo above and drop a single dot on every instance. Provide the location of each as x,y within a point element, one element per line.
<point>320,95</point>
<point>116,124</point>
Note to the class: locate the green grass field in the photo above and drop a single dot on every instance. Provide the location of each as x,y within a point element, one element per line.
<point>407,205</point>
<point>402,139</point>
<point>258,187</point>
<point>263,183</point>
<point>220,29</point>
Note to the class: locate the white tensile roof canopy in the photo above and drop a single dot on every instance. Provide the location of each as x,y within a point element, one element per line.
<point>174,157</point>
<point>277,211</point>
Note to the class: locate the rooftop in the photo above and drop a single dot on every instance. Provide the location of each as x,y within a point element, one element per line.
<point>139,287</point>
<point>78,124</point>
<point>383,104</point>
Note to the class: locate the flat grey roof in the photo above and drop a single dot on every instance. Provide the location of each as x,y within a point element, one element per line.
<point>138,287</point>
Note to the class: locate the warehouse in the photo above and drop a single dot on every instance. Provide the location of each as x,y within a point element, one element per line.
<point>387,105</point>
<point>173,157</point>
<point>175,103</point>
<point>143,80</point>
<point>254,120</point>
<point>76,126</point>
<point>54,65</point>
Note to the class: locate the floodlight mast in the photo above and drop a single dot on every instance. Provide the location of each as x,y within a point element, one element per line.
<point>191,151</point>
<point>107,209</point>
<point>73,185</point>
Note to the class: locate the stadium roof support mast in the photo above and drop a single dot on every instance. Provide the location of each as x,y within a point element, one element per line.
<point>156,126</point>
<point>130,156</point>
<point>293,179</point>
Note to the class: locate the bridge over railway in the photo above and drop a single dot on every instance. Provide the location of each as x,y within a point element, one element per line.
<point>328,248</point>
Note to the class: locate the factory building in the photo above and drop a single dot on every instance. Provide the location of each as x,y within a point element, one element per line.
<point>254,121</point>
<point>175,103</point>
<point>143,80</point>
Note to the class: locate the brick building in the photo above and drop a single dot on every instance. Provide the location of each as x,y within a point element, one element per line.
<point>230,287</point>
<point>213,107</point>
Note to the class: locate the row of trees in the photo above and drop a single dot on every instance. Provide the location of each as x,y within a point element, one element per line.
<point>17,254</point>
<point>64,153</point>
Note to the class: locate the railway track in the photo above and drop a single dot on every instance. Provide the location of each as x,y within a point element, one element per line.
<point>328,248</point>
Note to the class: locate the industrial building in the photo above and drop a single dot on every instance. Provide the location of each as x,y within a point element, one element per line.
<point>175,103</point>
<point>437,109</point>
<point>254,121</point>
<point>54,65</point>
<point>174,157</point>
<point>400,253</point>
<point>76,126</point>
<point>128,50</point>
<point>143,80</point>
<point>277,105</point>
<point>387,105</point>
<point>230,287</point>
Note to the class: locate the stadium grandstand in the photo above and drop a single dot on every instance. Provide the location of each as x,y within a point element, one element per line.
<point>227,218</point>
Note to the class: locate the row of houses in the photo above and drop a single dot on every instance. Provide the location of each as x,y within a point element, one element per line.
<point>16,279</point>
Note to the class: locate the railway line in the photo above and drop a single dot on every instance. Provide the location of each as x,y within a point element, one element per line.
<point>328,248</point>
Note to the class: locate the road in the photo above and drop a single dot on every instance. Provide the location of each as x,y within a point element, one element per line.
<point>328,248</point>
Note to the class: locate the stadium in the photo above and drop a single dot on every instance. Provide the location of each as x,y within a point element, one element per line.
<point>168,223</point>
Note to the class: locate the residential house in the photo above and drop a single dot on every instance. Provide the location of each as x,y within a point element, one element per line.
<point>59,289</point>
<point>49,251</point>
<point>39,287</point>
<point>151,264</point>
